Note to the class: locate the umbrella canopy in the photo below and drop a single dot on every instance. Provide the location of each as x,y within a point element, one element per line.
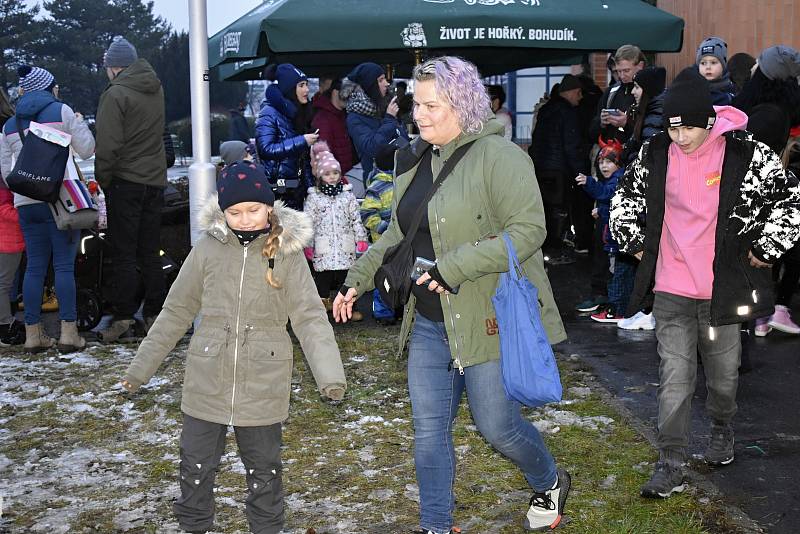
<point>498,35</point>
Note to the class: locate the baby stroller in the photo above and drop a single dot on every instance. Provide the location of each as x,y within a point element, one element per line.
<point>93,276</point>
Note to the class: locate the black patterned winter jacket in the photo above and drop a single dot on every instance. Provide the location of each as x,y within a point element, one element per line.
<point>759,210</point>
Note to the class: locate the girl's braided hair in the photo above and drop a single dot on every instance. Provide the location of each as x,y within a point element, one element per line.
<point>271,246</point>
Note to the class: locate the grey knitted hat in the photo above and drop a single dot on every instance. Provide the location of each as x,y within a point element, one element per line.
<point>779,62</point>
<point>121,53</point>
<point>713,46</point>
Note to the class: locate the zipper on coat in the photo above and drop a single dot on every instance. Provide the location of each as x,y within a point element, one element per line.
<point>236,340</point>
<point>457,356</point>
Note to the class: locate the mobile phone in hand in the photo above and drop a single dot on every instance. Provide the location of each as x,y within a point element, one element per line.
<point>421,266</point>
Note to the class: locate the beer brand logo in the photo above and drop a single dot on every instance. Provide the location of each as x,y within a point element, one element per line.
<point>230,43</point>
<point>414,36</point>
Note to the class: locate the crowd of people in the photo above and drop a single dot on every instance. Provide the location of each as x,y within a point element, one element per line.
<point>684,198</point>
<point>130,159</point>
<point>695,198</point>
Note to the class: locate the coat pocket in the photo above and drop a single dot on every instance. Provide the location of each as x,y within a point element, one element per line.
<point>269,369</point>
<point>204,364</point>
<point>322,245</point>
<point>349,243</point>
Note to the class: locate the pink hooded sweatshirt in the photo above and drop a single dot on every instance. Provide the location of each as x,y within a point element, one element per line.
<point>686,251</point>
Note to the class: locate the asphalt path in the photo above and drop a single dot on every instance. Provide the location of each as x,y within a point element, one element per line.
<point>763,479</point>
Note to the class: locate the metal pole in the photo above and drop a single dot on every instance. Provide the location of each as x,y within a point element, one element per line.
<point>202,174</point>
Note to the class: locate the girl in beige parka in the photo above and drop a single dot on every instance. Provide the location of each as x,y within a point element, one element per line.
<point>243,281</point>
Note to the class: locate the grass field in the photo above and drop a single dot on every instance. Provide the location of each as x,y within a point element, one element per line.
<point>78,456</point>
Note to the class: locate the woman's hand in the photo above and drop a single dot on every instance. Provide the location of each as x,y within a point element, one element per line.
<point>343,306</point>
<point>433,285</point>
<point>755,262</point>
<point>311,138</point>
<point>393,108</point>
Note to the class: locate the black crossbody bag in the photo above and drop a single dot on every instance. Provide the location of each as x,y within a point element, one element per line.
<point>393,277</point>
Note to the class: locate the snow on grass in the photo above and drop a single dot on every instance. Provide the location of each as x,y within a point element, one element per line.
<point>79,455</point>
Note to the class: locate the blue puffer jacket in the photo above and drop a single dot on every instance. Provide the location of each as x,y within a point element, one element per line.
<point>369,133</point>
<point>602,191</point>
<point>280,149</point>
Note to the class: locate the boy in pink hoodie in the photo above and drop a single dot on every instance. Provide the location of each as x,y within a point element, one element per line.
<point>718,210</point>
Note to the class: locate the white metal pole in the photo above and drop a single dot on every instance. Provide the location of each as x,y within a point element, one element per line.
<point>202,174</point>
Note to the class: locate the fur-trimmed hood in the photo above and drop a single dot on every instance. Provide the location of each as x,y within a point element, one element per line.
<point>298,231</point>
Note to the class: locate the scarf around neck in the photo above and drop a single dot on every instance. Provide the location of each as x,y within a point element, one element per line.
<point>362,104</point>
<point>247,237</point>
<point>331,190</point>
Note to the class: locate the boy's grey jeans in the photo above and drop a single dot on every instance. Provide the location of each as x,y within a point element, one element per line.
<point>682,330</point>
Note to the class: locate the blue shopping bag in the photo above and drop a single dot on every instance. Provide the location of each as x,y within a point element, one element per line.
<point>530,373</point>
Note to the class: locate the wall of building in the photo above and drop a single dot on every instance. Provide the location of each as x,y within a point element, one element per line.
<point>746,25</point>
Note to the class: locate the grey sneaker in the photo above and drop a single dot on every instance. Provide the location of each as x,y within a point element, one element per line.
<point>666,480</point>
<point>720,448</point>
<point>115,330</point>
<point>547,509</point>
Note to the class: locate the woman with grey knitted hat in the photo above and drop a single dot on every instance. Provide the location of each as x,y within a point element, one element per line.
<point>774,81</point>
<point>780,62</point>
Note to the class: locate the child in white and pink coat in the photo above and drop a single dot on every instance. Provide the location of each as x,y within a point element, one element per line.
<point>338,231</point>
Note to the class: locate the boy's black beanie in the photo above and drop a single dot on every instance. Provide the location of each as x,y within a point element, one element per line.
<point>688,101</point>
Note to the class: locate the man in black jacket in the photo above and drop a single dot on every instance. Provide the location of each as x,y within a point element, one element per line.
<point>628,60</point>
<point>556,153</point>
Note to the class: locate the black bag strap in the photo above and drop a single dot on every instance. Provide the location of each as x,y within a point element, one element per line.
<point>449,165</point>
<point>20,130</point>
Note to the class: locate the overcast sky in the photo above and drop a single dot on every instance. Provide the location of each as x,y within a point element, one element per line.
<point>176,12</point>
<point>220,12</point>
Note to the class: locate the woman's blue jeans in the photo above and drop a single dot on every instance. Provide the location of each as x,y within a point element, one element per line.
<point>42,238</point>
<point>435,388</point>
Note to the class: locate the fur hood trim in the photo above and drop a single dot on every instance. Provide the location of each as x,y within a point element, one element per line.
<point>298,231</point>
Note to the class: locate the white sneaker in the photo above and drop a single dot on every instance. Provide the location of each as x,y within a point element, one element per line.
<point>640,321</point>
<point>547,509</point>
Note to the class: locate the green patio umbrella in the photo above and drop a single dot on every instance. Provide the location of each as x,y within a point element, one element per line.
<point>498,35</point>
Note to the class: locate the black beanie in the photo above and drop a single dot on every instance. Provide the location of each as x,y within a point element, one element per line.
<point>243,182</point>
<point>366,75</point>
<point>652,80</point>
<point>769,124</point>
<point>688,101</point>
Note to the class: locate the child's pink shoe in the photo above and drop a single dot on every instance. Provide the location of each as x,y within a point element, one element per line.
<point>762,327</point>
<point>782,320</point>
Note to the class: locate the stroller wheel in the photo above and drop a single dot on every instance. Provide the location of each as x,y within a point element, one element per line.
<point>90,310</point>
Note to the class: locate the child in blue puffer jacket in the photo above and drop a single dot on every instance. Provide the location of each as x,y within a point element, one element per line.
<point>623,267</point>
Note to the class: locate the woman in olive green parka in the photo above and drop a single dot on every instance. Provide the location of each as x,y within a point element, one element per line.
<point>454,342</point>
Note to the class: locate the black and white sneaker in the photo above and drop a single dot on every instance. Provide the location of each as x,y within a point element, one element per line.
<point>665,480</point>
<point>547,509</point>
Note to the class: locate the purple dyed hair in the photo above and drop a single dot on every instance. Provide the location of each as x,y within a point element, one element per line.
<point>459,84</point>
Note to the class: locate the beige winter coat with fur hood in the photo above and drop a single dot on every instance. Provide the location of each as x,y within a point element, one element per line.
<point>239,361</point>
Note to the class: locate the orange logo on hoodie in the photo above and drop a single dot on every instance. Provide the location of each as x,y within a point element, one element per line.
<point>713,178</point>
